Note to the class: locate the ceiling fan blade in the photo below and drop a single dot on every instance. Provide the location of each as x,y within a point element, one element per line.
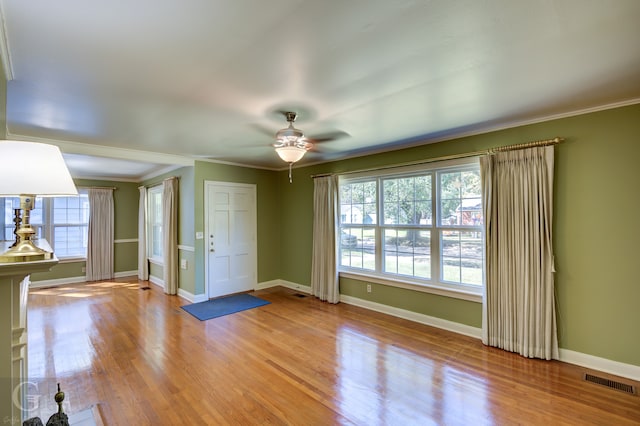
<point>264,130</point>
<point>328,136</point>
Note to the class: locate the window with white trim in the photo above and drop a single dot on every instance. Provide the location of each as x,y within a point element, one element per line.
<point>62,221</point>
<point>420,225</point>
<point>154,222</point>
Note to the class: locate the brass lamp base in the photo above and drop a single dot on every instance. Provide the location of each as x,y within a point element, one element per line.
<point>25,251</point>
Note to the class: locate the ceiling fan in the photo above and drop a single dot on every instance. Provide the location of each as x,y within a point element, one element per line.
<point>291,143</point>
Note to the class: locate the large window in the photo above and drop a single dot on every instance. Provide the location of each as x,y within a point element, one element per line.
<point>154,225</point>
<point>62,221</point>
<point>421,226</point>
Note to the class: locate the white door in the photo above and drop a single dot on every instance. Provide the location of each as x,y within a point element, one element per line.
<point>230,224</point>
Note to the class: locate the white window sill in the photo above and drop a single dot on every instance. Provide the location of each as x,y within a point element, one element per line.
<point>439,289</point>
<point>155,261</point>
<point>71,259</point>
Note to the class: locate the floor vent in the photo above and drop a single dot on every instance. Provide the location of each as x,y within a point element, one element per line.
<point>623,387</point>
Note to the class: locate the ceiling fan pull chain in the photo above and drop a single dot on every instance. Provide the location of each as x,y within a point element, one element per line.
<point>290,180</point>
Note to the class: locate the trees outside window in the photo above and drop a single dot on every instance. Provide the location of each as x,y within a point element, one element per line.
<point>421,225</point>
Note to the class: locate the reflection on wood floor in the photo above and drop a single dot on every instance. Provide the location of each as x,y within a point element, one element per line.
<point>297,361</point>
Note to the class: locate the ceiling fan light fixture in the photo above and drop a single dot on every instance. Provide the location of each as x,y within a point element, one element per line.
<point>289,135</point>
<point>290,142</point>
<point>291,153</point>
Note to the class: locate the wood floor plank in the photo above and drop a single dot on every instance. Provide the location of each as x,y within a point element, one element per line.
<point>297,361</point>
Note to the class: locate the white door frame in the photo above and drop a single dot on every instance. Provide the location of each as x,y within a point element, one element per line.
<point>252,187</point>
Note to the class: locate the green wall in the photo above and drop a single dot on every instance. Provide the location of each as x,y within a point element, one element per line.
<point>596,229</point>
<point>125,206</point>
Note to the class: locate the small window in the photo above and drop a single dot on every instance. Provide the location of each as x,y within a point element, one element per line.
<point>62,221</point>
<point>154,225</point>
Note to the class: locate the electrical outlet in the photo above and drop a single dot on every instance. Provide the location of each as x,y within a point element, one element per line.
<point>183,264</point>
<point>84,269</point>
<point>368,288</point>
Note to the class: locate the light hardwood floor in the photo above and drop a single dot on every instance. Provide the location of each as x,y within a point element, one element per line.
<point>297,361</point>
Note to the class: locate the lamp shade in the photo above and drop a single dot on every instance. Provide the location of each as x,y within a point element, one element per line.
<point>34,168</point>
<point>291,154</point>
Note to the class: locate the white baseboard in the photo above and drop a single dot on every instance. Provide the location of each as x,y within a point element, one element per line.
<point>601,364</point>
<point>57,282</point>
<point>193,298</point>
<point>75,280</point>
<point>125,274</point>
<point>157,281</point>
<point>267,284</point>
<point>283,283</point>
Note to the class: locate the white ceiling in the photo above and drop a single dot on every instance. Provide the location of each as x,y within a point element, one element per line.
<point>205,78</point>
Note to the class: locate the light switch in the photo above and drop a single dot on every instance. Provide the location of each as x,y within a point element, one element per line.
<point>199,235</point>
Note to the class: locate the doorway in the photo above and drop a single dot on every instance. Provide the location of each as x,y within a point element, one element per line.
<point>230,238</point>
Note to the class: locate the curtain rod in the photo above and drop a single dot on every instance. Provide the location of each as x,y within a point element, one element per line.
<point>490,151</point>
<point>98,187</point>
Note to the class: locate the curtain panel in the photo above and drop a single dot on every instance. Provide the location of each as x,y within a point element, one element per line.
<point>100,235</point>
<point>143,264</point>
<point>170,234</point>
<point>519,303</point>
<point>324,262</point>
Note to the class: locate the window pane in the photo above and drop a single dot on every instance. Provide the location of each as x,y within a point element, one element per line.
<point>60,216</point>
<point>461,257</point>
<point>407,252</point>
<point>8,205</point>
<point>154,222</point>
<point>70,241</point>
<point>460,201</point>
<point>407,200</point>
<point>156,241</point>
<point>37,214</point>
<point>60,202</point>
<point>357,248</point>
<point>391,215</point>
<point>359,205</point>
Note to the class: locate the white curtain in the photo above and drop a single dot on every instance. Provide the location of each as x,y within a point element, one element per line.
<point>170,234</point>
<point>100,235</point>
<point>519,303</point>
<point>324,269</point>
<point>143,265</point>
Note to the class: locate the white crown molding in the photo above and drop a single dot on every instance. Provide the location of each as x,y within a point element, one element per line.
<point>5,51</point>
<point>108,178</point>
<point>108,151</point>
<point>160,172</point>
<point>231,163</point>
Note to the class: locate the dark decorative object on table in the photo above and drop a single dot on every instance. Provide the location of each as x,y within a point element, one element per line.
<point>35,421</point>
<point>17,220</point>
<point>58,419</point>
